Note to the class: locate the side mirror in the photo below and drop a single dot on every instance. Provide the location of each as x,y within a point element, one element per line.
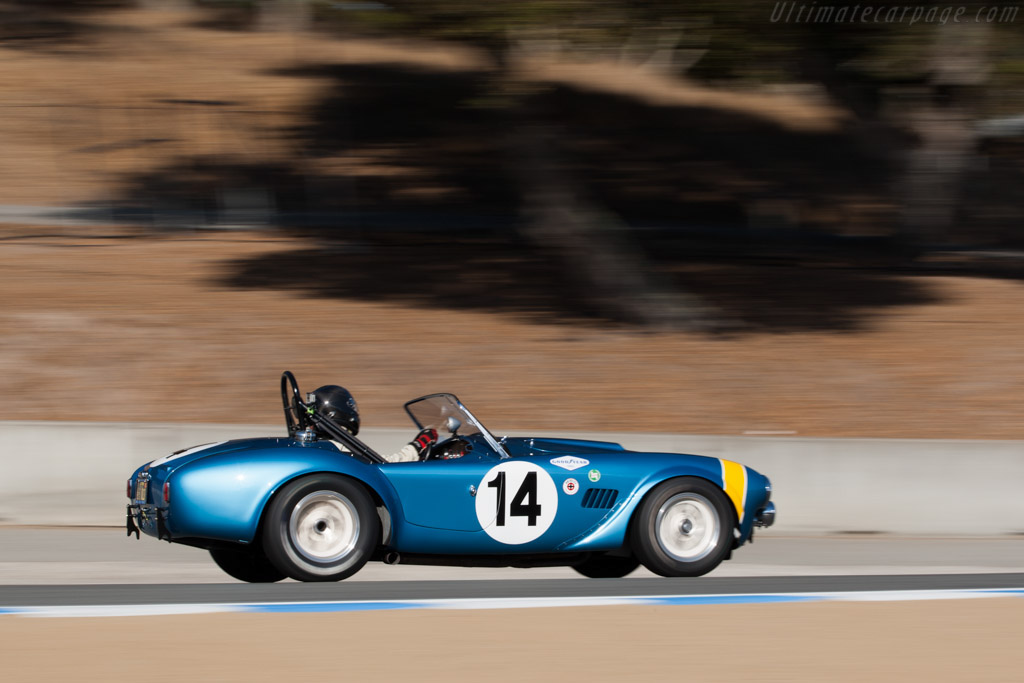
<point>452,424</point>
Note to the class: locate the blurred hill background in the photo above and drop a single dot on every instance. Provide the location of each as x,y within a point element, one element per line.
<point>676,217</point>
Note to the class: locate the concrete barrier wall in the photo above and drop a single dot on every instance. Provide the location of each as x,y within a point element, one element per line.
<point>74,474</point>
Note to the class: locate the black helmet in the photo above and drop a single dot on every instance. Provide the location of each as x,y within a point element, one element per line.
<point>337,404</point>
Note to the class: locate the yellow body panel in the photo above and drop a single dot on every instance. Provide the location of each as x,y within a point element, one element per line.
<point>734,480</point>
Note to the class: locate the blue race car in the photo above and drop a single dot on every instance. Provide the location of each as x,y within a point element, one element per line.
<point>318,504</point>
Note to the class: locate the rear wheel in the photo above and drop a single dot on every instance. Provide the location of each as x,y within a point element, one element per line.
<point>246,565</point>
<point>321,528</point>
<point>607,566</point>
<point>684,527</point>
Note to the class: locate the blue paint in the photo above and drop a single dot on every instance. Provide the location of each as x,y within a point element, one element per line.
<point>731,599</point>
<point>314,607</point>
<point>219,494</point>
<point>502,603</point>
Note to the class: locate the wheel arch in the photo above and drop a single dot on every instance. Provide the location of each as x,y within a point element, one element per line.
<point>615,531</point>
<point>654,484</point>
<point>378,499</point>
<point>224,497</point>
<point>339,541</point>
<point>644,537</point>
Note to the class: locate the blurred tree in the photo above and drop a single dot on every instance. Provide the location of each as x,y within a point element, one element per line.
<point>925,79</point>
<point>49,23</point>
<point>559,214</point>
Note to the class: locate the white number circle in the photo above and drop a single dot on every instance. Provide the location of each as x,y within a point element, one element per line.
<point>516,502</point>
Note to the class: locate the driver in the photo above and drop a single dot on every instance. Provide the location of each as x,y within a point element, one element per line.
<point>338,404</point>
<point>415,449</point>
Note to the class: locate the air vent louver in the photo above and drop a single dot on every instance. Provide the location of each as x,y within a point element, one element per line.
<point>599,498</point>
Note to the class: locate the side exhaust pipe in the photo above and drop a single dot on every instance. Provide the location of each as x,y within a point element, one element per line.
<point>392,558</point>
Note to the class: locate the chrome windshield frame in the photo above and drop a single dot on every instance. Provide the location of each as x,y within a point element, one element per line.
<point>488,437</point>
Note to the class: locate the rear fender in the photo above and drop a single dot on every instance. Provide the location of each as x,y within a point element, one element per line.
<point>223,496</point>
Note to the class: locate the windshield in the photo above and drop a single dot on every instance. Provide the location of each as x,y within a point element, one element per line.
<point>435,410</point>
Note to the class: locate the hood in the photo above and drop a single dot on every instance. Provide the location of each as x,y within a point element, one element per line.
<point>525,446</point>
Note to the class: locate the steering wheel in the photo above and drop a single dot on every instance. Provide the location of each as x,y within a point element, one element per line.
<point>295,417</point>
<point>450,449</point>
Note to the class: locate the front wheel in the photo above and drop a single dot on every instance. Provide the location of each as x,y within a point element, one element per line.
<point>321,528</point>
<point>684,527</point>
<point>246,565</point>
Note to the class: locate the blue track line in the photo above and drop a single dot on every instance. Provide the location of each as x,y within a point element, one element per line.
<point>505,603</point>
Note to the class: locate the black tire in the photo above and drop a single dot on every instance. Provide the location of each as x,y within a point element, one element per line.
<point>705,519</point>
<point>607,566</point>
<point>246,565</point>
<point>323,527</point>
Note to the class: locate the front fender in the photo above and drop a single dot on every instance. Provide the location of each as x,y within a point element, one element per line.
<point>743,486</point>
<point>223,496</point>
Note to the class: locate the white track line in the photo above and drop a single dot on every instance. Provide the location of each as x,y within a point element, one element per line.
<point>66,611</point>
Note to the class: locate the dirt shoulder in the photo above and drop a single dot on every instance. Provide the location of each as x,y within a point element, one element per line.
<point>808,642</point>
<point>103,324</point>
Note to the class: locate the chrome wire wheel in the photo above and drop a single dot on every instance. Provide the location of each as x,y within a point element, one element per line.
<point>321,527</point>
<point>683,527</point>
<point>324,526</point>
<point>687,527</point>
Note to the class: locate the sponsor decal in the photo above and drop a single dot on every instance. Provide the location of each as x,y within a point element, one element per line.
<point>570,487</point>
<point>594,476</point>
<point>516,502</point>
<point>570,462</point>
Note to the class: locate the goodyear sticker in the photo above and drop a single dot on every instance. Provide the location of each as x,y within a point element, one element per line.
<point>570,462</point>
<point>594,476</point>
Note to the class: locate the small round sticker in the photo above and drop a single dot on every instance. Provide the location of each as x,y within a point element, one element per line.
<point>594,476</point>
<point>516,502</point>
<point>570,487</point>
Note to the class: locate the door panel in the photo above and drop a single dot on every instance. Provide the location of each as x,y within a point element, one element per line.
<point>438,493</point>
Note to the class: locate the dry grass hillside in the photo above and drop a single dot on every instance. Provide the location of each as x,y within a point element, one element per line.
<point>109,325</point>
<point>116,323</point>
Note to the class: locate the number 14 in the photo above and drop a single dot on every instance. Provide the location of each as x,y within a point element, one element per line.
<point>524,503</point>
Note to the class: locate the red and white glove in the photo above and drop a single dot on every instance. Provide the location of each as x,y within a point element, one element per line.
<point>423,441</point>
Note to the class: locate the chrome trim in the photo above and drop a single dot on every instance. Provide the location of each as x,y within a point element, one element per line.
<point>498,448</point>
<point>324,526</point>
<point>488,437</point>
<point>687,527</point>
<point>307,435</point>
<point>765,516</point>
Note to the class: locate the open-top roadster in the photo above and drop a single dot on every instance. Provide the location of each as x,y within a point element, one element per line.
<point>317,504</point>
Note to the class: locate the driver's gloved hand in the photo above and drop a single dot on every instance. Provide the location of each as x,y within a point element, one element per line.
<point>423,441</point>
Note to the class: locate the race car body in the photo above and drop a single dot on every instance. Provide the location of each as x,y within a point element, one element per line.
<point>317,504</point>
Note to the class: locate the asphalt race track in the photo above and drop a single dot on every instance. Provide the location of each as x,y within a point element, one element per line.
<point>844,609</point>
<point>141,594</point>
<point>99,566</point>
